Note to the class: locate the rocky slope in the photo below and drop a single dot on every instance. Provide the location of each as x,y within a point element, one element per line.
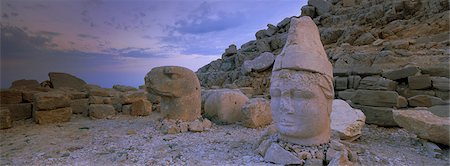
<point>378,48</point>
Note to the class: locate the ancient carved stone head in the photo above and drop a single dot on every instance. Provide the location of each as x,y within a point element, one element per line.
<point>301,86</point>
<point>179,89</point>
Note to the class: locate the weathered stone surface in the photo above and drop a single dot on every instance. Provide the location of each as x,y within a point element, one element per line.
<point>196,126</point>
<point>248,91</point>
<point>425,101</point>
<point>340,83</point>
<point>419,82</point>
<point>406,92</point>
<point>377,83</point>
<point>353,81</point>
<point>346,94</point>
<point>126,109</point>
<point>231,50</point>
<point>99,100</point>
<point>124,88</point>
<point>101,111</point>
<point>256,113</point>
<point>60,80</point>
<point>346,121</point>
<point>24,84</point>
<point>348,3</point>
<point>5,118</point>
<point>402,102</point>
<point>53,116</point>
<point>308,11</point>
<point>225,106</point>
<point>260,63</point>
<point>380,116</point>
<point>375,98</point>
<point>141,108</point>
<point>10,96</point>
<point>441,83</point>
<point>99,92</point>
<point>80,106</point>
<point>179,89</point>
<point>442,70</point>
<point>424,124</point>
<point>19,111</point>
<point>50,100</point>
<point>131,97</point>
<point>401,73</point>
<point>322,6</point>
<point>364,39</point>
<point>443,95</point>
<point>440,110</point>
<point>276,154</point>
<point>74,95</point>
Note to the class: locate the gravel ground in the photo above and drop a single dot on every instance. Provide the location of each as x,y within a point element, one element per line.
<point>127,140</point>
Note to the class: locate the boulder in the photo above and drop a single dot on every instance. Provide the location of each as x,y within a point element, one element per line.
<point>124,88</point>
<point>308,11</point>
<point>179,89</point>
<point>425,101</point>
<point>80,106</point>
<point>19,111</point>
<point>380,116</point>
<point>141,108</point>
<point>419,82</point>
<point>441,83</point>
<point>10,96</point>
<point>402,102</point>
<point>60,80</point>
<point>276,154</point>
<point>53,116</point>
<point>346,122</point>
<point>24,84</point>
<point>256,113</point>
<point>375,98</point>
<point>406,92</point>
<point>231,50</point>
<point>365,39</point>
<point>101,111</point>
<point>346,94</point>
<point>401,73</point>
<point>425,125</point>
<point>126,109</point>
<point>99,100</point>
<point>348,3</point>
<point>322,6</point>
<point>5,118</point>
<point>50,100</point>
<point>377,83</point>
<point>225,106</point>
<point>260,63</point>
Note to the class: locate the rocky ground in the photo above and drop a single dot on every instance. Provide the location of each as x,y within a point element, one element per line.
<point>126,140</point>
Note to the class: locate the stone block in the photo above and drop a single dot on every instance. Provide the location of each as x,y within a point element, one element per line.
<point>322,6</point>
<point>401,73</point>
<point>440,110</point>
<point>225,106</point>
<point>441,83</point>
<point>340,83</point>
<point>256,113</point>
<point>425,125</point>
<point>419,82</point>
<point>346,94</point>
<point>51,100</point>
<point>380,116</point>
<point>20,111</point>
<point>353,81</point>
<point>10,96</point>
<point>5,118</point>
<point>101,111</point>
<point>375,98</point>
<point>377,83</point>
<point>80,106</point>
<point>141,108</point>
<point>425,101</point>
<point>53,116</point>
<point>346,122</point>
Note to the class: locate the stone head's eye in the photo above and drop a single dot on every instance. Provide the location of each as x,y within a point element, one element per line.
<point>302,94</point>
<point>275,93</point>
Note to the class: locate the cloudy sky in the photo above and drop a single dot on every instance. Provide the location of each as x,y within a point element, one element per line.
<point>108,42</point>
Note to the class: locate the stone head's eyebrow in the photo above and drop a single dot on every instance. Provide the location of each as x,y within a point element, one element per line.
<point>302,93</point>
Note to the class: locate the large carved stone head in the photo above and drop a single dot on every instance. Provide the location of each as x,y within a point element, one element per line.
<point>171,81</point>
<point>301,86</point>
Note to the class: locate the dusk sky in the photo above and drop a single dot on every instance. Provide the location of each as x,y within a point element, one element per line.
<point>107,42</point>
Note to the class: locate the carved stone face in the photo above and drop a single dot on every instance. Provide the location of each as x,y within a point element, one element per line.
<point>300,107</point>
